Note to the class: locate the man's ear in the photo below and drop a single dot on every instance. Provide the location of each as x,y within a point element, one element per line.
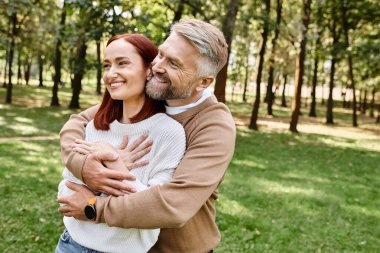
<point>204,83</point>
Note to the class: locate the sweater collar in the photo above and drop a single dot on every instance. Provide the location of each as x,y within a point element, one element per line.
<point>179,109</point>
<point>195,110</point>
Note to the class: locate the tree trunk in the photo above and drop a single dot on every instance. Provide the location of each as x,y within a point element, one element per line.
<point>372,105</point>
<point>246,76</point>
<point>283,98</point>
<point>313,105</point>
<point>27,66</point>
<point>378,114</point>
<point>260,61</point>
<point>13,20</point>
<point>40,68</point>
<point>300,68</point>
<point>350,64</point>
<point>344,98</point>
<point>19,67</point>
<point>5,69</point>
<point>178,12</point>
<point>330,102</point>
<point>228,29</point>
<point>79,65</point>
<point>270,95</point>
<point>58,59</point>
<point>364,104</point>
<point>98,69</point>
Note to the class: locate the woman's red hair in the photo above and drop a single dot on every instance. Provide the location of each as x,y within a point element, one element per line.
<point>110,109</point>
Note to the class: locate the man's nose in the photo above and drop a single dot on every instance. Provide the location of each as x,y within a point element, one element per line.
<point>157,65</point>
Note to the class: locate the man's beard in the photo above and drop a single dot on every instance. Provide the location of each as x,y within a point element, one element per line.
<point>165,91</point>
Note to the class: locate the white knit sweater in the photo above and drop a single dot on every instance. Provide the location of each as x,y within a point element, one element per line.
<point>169,145</point>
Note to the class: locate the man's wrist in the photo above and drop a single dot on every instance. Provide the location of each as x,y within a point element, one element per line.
<point>90,209</point>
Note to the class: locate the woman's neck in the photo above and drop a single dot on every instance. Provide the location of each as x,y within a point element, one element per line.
<point>131,107</point>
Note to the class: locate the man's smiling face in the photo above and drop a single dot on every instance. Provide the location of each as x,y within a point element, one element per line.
<point>175,70</point>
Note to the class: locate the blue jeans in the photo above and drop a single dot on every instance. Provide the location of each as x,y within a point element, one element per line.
<point>66,244</point>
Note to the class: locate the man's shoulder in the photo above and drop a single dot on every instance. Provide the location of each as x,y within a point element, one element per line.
<point>215,111</point>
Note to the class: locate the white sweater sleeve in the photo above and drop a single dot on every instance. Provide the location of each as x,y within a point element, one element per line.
<point>169,151</point>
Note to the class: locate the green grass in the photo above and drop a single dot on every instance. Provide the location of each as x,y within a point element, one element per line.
<point>294,193</point>
<point>30,172</point>
<point>306,192</point>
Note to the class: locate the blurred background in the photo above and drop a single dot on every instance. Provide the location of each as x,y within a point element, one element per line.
<point>302,82</point>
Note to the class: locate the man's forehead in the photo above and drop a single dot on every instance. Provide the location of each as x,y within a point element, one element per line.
<point>178,44</point>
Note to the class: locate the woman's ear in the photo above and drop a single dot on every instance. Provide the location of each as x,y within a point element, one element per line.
<point>204,83</point>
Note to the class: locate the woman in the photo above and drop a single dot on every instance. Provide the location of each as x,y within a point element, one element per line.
<point>126,110</point>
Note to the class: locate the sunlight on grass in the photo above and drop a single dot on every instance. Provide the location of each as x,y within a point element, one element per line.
<point>233,207</point>
<point>24,129</point>
<point>23,120</point>
<point>249,163</point>
<point>270,186</point>
<point>375,213</point>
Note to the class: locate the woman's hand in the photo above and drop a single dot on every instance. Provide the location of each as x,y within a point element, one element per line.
<point>135,151</point>
<point>128,154</point>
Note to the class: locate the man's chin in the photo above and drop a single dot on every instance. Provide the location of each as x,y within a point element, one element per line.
<point>157,90</point>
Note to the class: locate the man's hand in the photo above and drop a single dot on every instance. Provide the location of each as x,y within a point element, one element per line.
<point>73,205</point>
<point>101,179</point>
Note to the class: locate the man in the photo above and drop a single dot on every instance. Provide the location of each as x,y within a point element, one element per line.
<point>187,63</point>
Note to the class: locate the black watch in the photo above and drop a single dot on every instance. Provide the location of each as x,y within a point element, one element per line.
<point>90,209</point>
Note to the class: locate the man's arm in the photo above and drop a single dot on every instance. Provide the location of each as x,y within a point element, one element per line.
<point>75,129</point>
<point>198,175</point>
<point>89,168</point>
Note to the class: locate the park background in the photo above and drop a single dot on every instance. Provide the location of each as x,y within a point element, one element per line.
<point>302,83</point>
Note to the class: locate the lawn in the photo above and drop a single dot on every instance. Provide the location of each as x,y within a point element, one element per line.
<point>316,191</point>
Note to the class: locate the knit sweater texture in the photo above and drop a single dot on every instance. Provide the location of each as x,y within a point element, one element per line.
<point>168,147</point>
<point>183,207</point>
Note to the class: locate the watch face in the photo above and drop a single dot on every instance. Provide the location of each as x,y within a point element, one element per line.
<point>90,212</point>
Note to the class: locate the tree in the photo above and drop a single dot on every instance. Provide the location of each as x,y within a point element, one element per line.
<point>57,58</point>
<point>270,94</point>
<point>334,52</point>
<point>13,21</point>
<point>260,64</point>
<point>317,51</point>
<point>228,29</point>
<point>343,8</point>
<point>296,104</point>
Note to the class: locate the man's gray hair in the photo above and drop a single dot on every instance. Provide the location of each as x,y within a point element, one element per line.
<point>209,41</point>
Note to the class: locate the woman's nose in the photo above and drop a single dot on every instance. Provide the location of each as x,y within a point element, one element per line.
<point>112,72</point>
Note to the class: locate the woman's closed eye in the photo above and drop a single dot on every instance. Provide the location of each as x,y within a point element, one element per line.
<point>124,63</point>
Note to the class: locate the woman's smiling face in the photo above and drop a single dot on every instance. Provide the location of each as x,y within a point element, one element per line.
<point>124,71</point>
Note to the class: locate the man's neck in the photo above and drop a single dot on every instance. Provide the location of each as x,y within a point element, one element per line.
<point>194,97</point>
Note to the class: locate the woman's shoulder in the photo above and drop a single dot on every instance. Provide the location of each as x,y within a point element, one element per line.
<point>164,124</point>
<point>163,120</point>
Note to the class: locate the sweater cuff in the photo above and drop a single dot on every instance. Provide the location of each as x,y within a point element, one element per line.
<point>75,164</point>
<point>100,203</point>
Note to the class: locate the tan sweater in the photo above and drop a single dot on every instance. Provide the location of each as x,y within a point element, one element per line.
<point>184,207</point>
